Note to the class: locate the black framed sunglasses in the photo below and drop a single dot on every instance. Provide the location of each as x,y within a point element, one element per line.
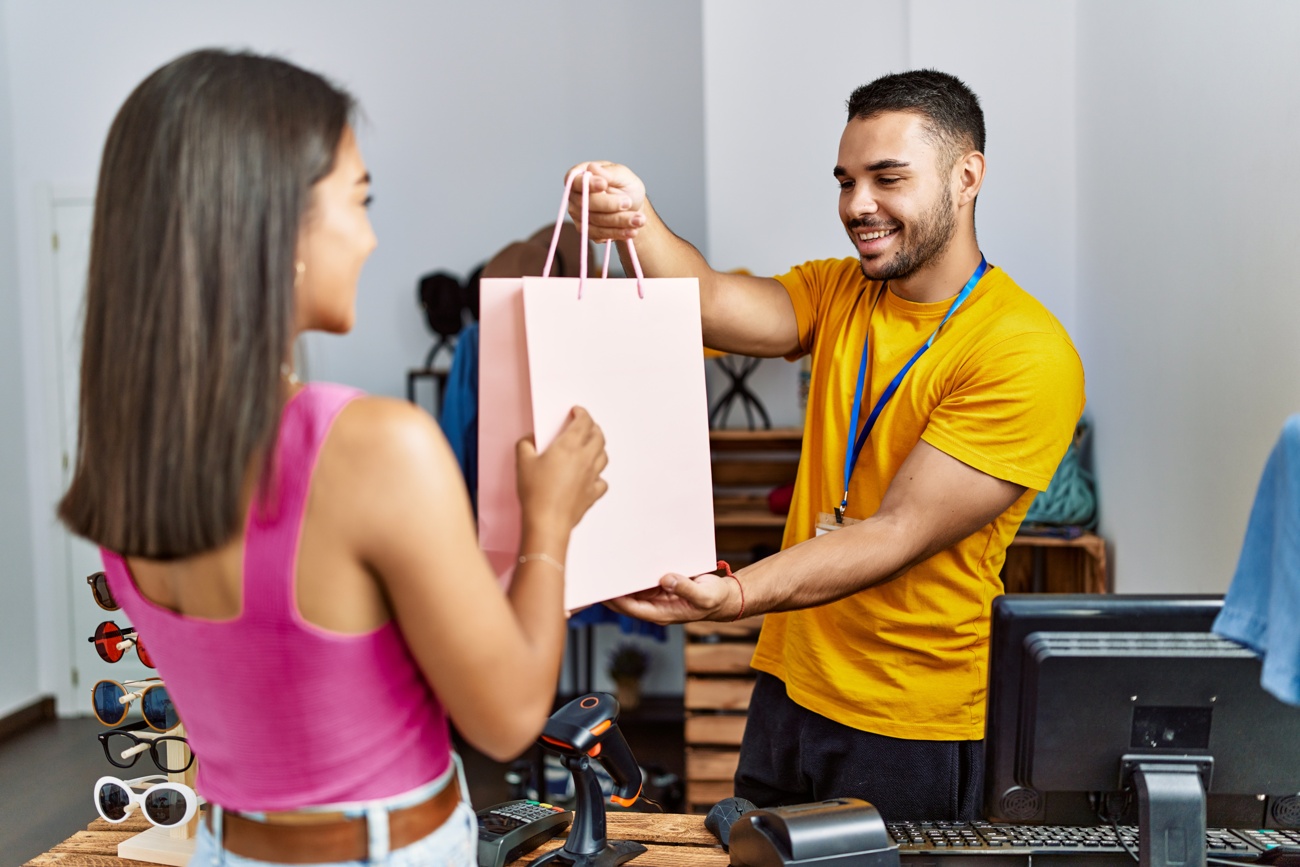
<point>122,747</point>
<point>99,589</point>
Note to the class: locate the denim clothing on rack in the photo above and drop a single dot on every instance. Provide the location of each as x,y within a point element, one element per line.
<point>458,415</point>
<point>1262,607</point>
<point>628,624</point>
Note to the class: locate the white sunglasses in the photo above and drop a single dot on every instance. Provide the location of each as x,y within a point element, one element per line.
<point>164,803</point>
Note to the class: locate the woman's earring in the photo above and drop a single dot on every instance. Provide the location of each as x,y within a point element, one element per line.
<point>299,268</point>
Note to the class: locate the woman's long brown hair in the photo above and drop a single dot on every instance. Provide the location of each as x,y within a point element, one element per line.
<point>205,181</point>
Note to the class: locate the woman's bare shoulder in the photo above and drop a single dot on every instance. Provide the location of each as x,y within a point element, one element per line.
<point>380,430</point>
<point>386,446</point>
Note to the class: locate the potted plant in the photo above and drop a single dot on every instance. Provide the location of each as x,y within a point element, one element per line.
<point>627,665</point>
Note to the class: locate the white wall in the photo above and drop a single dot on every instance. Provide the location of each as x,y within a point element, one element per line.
<point>18,683</point>
<point>777,76</point>
<point>473,112</point>
<point>1019,58</point>
<point>1188,301</point>
<point>1140,183</point>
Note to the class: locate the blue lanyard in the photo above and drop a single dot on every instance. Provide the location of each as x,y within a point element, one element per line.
<point>851,457</point>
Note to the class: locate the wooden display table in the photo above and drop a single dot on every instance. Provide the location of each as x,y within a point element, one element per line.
<point>94,847</point>
<point>672,840</point>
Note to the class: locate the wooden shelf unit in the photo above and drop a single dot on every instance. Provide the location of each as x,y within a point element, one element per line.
<point>719,682</point>
<point>747,465</point>
<point>1047,564</point>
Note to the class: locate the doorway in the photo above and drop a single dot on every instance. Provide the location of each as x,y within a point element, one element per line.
<point>74,557</point>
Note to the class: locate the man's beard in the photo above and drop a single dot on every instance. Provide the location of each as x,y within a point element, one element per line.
<point>932,233</point>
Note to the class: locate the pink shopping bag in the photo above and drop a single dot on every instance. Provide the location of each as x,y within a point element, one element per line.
<point>630,352</point>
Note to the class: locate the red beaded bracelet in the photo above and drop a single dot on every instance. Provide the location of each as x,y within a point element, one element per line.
<point>725,569</point>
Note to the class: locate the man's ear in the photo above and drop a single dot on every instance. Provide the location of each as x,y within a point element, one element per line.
<point>968,177</point>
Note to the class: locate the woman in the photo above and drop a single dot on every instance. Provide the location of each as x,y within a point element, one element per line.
<point>302,558</point>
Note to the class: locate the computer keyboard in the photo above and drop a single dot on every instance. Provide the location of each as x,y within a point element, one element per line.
<point>1019,843</point>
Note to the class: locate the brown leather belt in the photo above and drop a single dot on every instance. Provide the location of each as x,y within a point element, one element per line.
<point>301,840</point>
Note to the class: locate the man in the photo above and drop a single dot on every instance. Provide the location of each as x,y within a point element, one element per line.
<point>918,463</point>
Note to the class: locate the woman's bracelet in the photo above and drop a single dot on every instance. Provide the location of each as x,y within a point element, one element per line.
<point>545,558</point>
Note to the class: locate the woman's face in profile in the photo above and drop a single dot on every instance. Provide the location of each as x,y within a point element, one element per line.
<point>334,243</point>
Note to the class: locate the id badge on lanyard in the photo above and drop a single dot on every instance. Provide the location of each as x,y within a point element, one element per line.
<point>827,523</point>
<point>839,520</point>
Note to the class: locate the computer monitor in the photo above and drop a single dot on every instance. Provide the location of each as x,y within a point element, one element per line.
<point>1130,708</point>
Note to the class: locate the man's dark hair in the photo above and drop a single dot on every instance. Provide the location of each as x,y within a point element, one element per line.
<point>206,178</point>
<point>952,111</point>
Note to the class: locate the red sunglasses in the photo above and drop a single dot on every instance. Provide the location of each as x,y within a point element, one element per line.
<point>112,642</point>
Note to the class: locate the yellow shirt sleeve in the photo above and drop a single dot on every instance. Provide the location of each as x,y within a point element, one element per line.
<point>1013,411</point>
<point>810,285</point>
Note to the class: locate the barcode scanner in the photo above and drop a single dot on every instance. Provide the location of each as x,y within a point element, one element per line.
<point>585,729</point>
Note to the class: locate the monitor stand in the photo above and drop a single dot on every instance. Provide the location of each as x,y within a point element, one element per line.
<point>1171,807</point>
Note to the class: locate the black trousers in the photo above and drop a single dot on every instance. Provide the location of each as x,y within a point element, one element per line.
<point>791,755</point>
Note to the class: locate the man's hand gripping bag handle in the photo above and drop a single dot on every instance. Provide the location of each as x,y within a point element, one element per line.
<point>582,257</point>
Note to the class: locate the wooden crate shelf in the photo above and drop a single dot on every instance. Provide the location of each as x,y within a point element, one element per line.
<point>715,728</point>
<point>747,465</point>
<point>1045,564</point>
<point>731,657</point>
<point>719,683</point>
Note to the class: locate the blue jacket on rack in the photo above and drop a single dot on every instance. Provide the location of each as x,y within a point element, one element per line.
<point>1262,606</point>
<point>459,415</point>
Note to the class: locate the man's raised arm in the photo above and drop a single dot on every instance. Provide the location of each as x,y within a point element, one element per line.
<point>739,313</point>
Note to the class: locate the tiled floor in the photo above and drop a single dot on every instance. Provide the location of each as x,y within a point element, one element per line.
<point>48,771</point>
<point>46,774</point>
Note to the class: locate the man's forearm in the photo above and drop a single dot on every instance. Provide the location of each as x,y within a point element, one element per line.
<point>829,567</point>
<point>662,253</point>
<point>738,313</point>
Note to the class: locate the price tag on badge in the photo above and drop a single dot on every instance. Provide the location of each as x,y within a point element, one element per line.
<point>826,523</point>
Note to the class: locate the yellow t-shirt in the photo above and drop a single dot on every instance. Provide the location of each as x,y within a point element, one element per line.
<point>1001,390</point>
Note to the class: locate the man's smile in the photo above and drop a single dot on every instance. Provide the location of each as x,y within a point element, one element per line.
<point>872,240</point>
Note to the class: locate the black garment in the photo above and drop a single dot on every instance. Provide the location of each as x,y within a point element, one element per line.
<point>791,755</point>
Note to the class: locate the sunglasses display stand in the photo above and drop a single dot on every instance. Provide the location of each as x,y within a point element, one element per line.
<point>167,845</point>
<point>156,845</point>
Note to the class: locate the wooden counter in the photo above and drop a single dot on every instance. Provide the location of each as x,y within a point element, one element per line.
<point>672,840</point>
<point>94,847</point>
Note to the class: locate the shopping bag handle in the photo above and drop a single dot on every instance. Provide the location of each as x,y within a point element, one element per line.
<point>582,256</point>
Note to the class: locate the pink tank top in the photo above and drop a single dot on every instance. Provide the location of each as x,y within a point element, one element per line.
<point>280,713</point>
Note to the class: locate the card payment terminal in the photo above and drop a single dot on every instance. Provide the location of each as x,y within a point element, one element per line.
<point>512,828</point>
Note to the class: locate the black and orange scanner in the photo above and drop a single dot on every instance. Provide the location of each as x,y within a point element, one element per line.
<point>586,729</point>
